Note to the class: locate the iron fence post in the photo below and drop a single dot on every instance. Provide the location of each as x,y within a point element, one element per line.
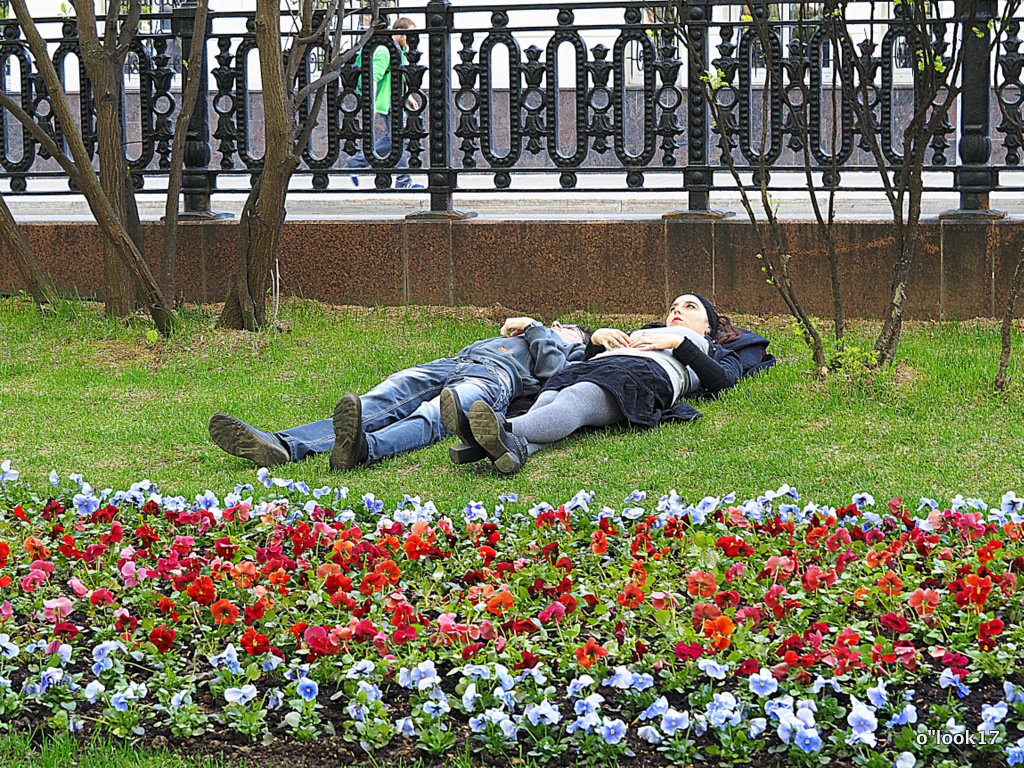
<point>197,181</point>
<point>698,175</point>
<point>442,177</point>
<point>974,178</point>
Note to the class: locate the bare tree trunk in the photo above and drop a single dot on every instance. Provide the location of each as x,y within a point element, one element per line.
<point>104,61</point>
<point>1007,326</point>
<point>906,239</point>
<point>120,291</point>
<point>263,215</point>
<point>259,226</point>
<point>39,286</point>
<point>188,103</point>
<point>106,216</point>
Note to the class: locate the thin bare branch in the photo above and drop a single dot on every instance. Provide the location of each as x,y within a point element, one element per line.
<point>129,28</point>
<point>110,25</point>
<point>39,134</point>
<point>331,70</point>
<point>188,104</point>
<point>1007,326</point>
<point>319,32</point>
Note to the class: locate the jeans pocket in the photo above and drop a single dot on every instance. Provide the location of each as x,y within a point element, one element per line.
<point>504,386</point>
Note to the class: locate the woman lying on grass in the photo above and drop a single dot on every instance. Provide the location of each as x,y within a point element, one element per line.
<point>638,378</point>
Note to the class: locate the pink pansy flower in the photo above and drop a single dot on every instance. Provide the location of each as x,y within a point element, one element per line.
<point>924,601</point>
<point>77,587</point>
<point>487,630</point>
<point>129,574</point>
<point>34,579</point>
<point>663,600</point>
<point>56,609</point>
<point>320,529</point>
<point>553,613</point>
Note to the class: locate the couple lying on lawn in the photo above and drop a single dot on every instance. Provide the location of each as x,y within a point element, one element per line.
<point>574,379</point>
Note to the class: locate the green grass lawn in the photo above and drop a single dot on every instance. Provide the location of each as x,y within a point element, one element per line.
<point>79,392</point>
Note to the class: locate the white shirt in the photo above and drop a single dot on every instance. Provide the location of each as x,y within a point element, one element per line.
<point>683,379</point>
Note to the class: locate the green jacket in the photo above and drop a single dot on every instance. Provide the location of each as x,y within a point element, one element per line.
<point>382,79</point>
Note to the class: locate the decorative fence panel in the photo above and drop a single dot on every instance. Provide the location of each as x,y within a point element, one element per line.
<point>621,97</point>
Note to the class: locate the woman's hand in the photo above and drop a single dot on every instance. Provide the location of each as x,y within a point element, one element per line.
<point>516,325</point>
<point>657,342</point>
<point>610,338</point>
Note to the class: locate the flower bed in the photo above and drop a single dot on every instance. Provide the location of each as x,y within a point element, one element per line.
<point>772,631</point>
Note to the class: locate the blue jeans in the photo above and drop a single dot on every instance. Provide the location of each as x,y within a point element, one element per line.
<point>382,148</point>
<point>403,412</point>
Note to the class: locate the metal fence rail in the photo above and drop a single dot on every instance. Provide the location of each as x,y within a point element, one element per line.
<point>602,96</point>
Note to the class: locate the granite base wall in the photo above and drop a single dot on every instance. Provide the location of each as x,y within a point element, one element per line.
<point>549,266</point>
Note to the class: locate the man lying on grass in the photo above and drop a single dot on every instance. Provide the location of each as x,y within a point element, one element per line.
<point>641,378</point>
<point>404,412</point>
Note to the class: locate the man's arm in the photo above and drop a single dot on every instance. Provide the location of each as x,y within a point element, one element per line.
<point>548,353</point>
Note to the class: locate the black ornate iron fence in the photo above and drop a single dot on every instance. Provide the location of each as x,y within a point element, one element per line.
<point>602,96</point>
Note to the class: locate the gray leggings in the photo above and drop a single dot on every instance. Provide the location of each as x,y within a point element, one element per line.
<point>559,413</point>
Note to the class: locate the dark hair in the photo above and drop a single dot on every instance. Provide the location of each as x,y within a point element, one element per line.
<point>726,331</point>
<point>404,23</point>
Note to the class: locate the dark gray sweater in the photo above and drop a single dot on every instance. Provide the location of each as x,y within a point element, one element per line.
<point>530,358</point>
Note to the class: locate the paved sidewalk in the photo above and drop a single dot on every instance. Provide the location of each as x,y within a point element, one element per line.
<point>519,204</point>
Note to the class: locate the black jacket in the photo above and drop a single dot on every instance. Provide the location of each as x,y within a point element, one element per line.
<point>718,370</point>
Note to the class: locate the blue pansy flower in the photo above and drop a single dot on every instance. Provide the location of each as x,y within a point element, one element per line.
<point>713,669</point>
<point>820,682</point>
<point>861,500</point>
<point>307,689</point>
<point>578,685</point>
<point>542,713</point>
<point>650,734</point>
<point>613,731</point>
<point>657,709</point>
<point>808,740</point>
<point>242,695</point>
<point>621,678</point>
<point>763,683</point>
<point>360,670</point>
<point>477,671</point>
<point>7,648</point>
<point>877,695</point>
<point>673,721</point>
<point>6,473</point>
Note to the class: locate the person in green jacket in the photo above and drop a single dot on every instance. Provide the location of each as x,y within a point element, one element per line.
<point>382,107</point>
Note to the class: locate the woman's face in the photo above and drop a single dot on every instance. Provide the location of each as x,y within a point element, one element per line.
<point>688,311</point>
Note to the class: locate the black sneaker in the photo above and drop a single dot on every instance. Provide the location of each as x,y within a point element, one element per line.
<point>507,451</point>
<point>245,441</point>
<point>453,415</point>
<point>349,447</point>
